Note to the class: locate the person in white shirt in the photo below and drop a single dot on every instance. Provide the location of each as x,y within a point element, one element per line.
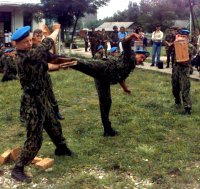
<point>198,44</point>
<point>157,37</point>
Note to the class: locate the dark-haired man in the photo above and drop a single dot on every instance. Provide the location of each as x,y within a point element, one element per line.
<point>111,71</point>
<point>181,72</point>
<point>32,71</point>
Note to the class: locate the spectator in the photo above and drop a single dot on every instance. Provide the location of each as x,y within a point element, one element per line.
<point>157,37</point>
<point>169,46</point>
<point>99,53</point>
<point>121,35</point>
<point>180,72</point>
<point>10,68</point>
<point>138,44</point>
<point>86,40</point>
<point>103,40</point>
<point>6,38</point>
<point>194,38</point>
<point>114,38</point>
<point>93,37</point>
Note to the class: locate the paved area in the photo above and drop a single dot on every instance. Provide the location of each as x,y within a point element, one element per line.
<point>81,51</point>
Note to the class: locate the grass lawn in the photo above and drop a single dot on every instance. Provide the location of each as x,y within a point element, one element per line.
<point>157,146</point>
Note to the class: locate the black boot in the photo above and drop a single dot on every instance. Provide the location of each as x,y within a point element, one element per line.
<point>19,175</point>
<point>187,111</point>
<point>63,150</point>
<point>177,102</point>
<point>110,132</point>
<point>59,116</point>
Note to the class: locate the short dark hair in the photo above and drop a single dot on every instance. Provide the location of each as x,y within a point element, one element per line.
<point>37,31</point>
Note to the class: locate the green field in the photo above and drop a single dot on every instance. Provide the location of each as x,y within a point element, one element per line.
<point>157,146</point>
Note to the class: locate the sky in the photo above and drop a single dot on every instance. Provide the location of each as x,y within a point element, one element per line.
<point>103,12</point>
<point>113,7</point>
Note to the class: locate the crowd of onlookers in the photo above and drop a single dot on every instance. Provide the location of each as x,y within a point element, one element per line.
<point>98,41</point>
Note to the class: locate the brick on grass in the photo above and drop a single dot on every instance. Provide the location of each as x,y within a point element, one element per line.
<point>36,159</point>
<point>5,157</point>
<point>45,163</point>
<point>15,153</point>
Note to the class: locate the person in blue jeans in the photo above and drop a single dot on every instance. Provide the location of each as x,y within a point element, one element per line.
<point>157,37</point>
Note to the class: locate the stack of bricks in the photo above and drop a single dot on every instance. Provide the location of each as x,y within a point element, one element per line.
<point>42,163</point>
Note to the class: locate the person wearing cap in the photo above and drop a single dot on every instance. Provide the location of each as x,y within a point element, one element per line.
<point>32,70</point>
<point>100,52</point>
<point>114,37</point>
<point>180,75</point>
<point>103,40</point>
<point>9,69</point>
<point>93,38</point>
<point>114,52</point>
<point>111,72</point>
<point>169,47</point>
<point>157,37</point>
<point>37,39</point>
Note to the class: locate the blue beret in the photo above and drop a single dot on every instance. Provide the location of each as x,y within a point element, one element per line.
<point>8,50</point>
<point>100,47</point>
<point>21,33</point>
<point>113,49</point>
<point>146,53</point>
<point>184,32</point>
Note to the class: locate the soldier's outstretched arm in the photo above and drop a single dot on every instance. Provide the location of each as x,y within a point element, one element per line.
<point>132,36</point>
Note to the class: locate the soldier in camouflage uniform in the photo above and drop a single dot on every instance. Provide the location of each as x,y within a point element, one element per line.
<point>103,40</point>
<point>111,72</point>
<point>9,69</point>
<point>114,37</point>
<point>180,77</point>
<point>2,48</point>
<point>37,39</point>
<point>169,47</point>
<point>32,70</point>
<point>93,38</point>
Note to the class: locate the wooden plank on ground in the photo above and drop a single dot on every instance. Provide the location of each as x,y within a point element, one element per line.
<point>5,157</point>
<point>45,163</point>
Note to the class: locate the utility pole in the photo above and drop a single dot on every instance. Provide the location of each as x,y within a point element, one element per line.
<point>192,22</point>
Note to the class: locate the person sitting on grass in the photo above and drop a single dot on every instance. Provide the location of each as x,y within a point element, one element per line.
<point>99,53</point>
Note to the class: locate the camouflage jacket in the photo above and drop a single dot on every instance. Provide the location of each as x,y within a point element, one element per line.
<point>111,71</point>
<point>9,64</point>
<point>33,67</point>
<point>114,37</point>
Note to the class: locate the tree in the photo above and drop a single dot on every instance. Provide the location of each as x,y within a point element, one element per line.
<point>66,12</point>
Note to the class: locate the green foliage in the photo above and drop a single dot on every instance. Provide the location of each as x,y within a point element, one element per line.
<point>157,146</point>
<point>151,12</point>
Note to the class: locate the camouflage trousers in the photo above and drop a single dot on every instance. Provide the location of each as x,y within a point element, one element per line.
<point>93,48</point>
<point>51,95</point>
<point>181,84</point>
<point>39,115</point>
<point>102,84</point>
